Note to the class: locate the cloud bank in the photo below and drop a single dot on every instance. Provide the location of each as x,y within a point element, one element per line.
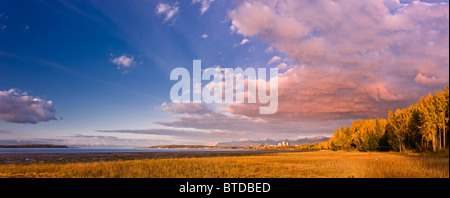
<point>355,59</point>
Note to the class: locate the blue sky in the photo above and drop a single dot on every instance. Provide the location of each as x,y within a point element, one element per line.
<point>105,67</point>
<point>62,51</point>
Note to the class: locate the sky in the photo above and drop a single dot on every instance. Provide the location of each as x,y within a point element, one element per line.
<point>96,74</point>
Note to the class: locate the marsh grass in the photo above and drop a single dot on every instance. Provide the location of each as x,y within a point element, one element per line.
<point>321,164</point>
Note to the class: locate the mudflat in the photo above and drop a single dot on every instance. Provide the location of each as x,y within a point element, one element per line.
<point>30,158</point>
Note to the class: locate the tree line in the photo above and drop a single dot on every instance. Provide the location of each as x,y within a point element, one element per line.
<point>420,127</point>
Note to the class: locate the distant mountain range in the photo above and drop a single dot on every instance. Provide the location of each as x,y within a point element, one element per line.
<point>303,141</point>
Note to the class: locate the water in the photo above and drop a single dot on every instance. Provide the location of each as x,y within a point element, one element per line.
<point>77,150</point>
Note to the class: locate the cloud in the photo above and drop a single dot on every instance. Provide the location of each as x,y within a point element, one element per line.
<point>269,50</point>
<point>327,93</point>
<point>203,122</point>
<point>177,132</point>
<point>19,107</point>
<point>249,127</point>
<point>330,32</point>
<point>192,108</point>
<point>244,41</point>
<point>169,11</point>
<point>354,60</point>
<point>124,63</point>
<point>274,60</point>
<point>428,80</point>
<point>282,66</point>
<point>205,5</point>
<point>204,36</point>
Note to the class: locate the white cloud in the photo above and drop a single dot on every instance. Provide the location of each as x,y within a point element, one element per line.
<point>274,60</point>
<point>124,61</point>
<point>244,41</point>
<point>205,36</point>
<point>168,10</point>
<point>205,4</point>
<point>19,107</point>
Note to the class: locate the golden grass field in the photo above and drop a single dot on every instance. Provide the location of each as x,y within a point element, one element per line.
<point>320,164</point>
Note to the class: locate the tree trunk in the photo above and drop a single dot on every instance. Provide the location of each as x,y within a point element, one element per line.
<point>434,142</point>
<point>423,144</point>
<point>445,140</point>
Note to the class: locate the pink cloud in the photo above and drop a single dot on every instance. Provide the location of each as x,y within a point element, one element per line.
<point>282,66</point>
<point>319,93</point>
<point>359,58</point>
<point>274,60</point>
<point>428,80</point>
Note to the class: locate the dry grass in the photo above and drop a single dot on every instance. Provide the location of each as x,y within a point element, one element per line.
<point>322,164</point>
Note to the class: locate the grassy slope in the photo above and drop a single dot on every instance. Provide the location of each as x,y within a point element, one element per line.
<point>322,164</point>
